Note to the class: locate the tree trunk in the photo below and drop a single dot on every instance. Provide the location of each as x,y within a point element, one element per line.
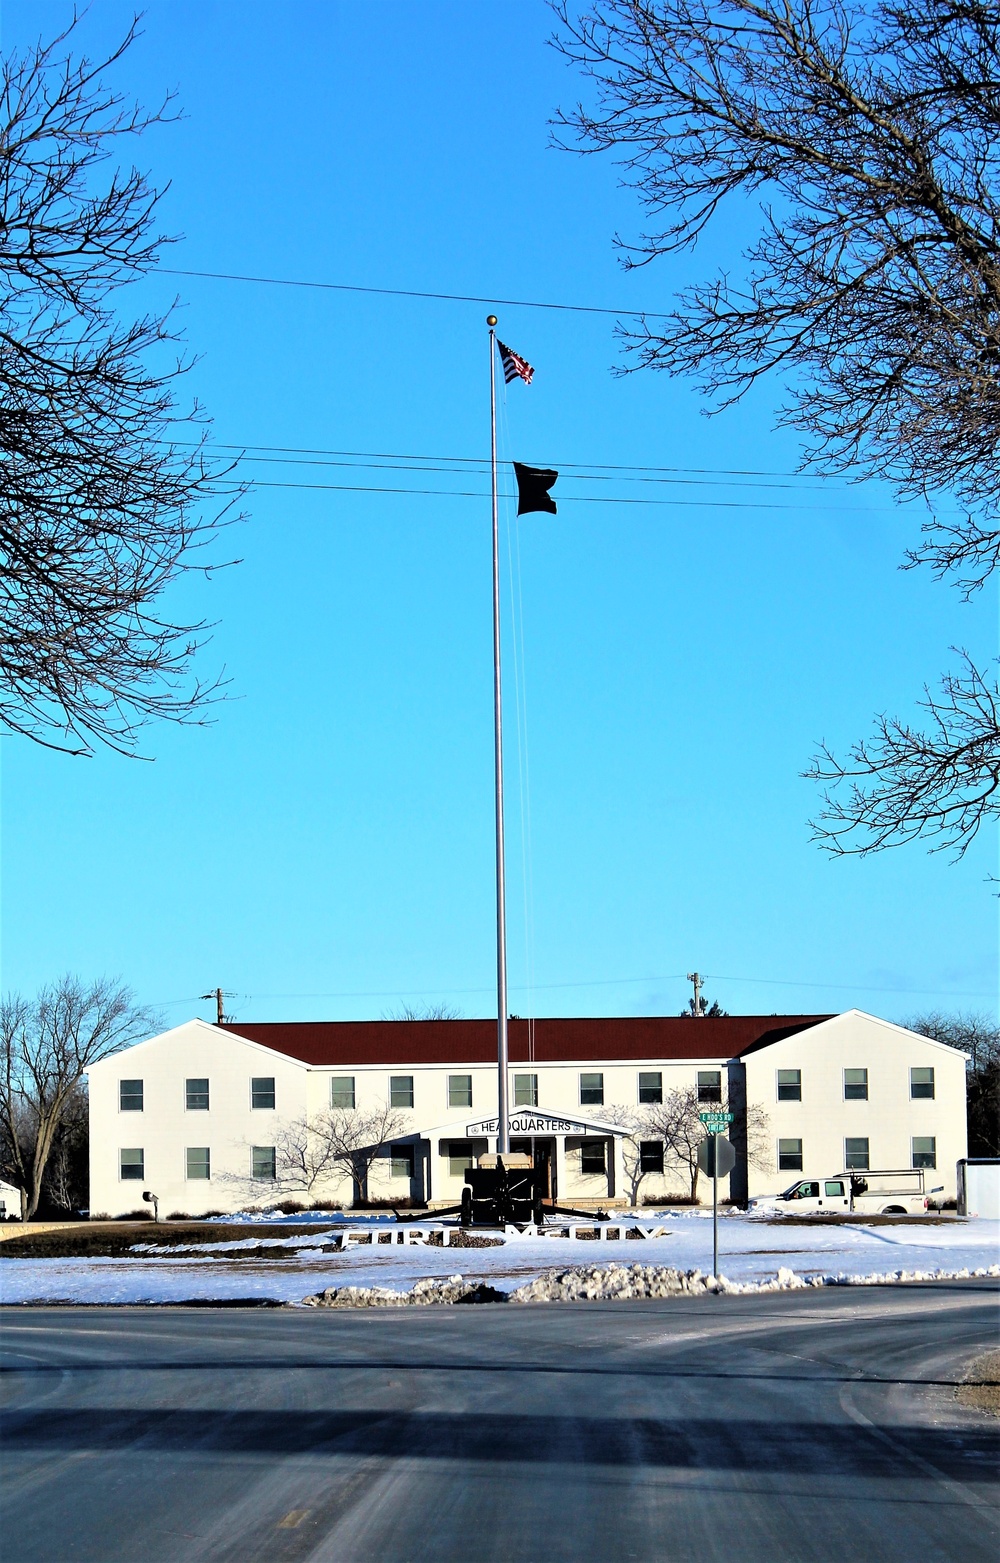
<point>695,1170</point>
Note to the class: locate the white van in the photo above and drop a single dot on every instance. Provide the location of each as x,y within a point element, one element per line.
<point>892,1193</point>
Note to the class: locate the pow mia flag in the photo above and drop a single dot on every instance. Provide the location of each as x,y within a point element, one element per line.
<point>533,484</point>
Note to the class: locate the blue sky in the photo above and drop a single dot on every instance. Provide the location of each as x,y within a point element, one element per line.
<point>324,850</point>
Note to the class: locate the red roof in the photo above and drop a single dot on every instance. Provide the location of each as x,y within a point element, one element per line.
<point>341,1042</point>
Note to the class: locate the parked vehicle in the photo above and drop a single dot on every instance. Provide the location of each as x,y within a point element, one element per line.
<point>890,1193</point>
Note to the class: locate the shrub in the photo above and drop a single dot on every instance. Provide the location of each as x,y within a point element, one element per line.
<point>290,1207</point>
<point>326,1204</point>
<point>179,1215</point>
<point>145,1214</point>
<point>669,1199</point>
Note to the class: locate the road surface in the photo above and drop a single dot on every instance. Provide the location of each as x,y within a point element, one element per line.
<point>796,1426</point>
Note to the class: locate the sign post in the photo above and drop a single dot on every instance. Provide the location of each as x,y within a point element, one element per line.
<point>715,1155</point>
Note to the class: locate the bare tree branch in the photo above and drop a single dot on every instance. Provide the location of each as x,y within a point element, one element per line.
<point>47,1044</point>
<point>102,486</point>
<point>867,140</point>
<point>939,782</point>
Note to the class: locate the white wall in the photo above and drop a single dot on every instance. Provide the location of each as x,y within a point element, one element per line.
<point>889,1119</point>
<point>166,1128</point>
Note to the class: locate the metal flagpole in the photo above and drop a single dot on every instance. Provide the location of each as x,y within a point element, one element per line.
<point>503,1116</point>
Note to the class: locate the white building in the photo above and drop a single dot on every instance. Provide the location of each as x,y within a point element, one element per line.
<point>199,1115</point>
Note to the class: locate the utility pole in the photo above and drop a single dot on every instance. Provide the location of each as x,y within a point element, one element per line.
<point>218,994</point>
<point>698,1008</point>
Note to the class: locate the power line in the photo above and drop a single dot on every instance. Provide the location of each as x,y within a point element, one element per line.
<point>580,475</point>
<point>449,298</point>
<point>602,982</point>
<point>483,461</point>
<point>572,499</point>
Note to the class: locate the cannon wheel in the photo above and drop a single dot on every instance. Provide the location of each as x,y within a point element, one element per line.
<point>466,1216</point>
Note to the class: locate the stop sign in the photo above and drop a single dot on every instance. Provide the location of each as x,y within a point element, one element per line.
<point>716,1155</point>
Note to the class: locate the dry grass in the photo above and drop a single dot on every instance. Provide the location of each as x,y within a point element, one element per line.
<point>119,1238</point>
<point>982,1384</point>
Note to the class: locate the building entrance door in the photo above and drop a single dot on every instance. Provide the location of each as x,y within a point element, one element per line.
<point>543,1154</point>
<point>545,1167</point>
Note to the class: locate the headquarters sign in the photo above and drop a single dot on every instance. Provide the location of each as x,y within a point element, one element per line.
<point>531,1123</point>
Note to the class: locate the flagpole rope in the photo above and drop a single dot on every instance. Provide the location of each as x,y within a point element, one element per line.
<point>521,713</point>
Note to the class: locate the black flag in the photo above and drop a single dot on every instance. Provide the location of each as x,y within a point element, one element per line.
<point>533,484</point>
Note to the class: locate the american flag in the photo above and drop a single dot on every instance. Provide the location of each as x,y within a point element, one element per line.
<point>514,364</point>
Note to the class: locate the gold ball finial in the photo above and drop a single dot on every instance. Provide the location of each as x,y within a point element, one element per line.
<point>491,320</point>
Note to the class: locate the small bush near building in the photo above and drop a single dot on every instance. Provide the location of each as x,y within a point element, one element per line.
<point>662,1201</point>
<point>326,1204</point>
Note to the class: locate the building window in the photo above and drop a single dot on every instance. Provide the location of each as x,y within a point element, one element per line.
<point>459,1090</point>
<point>525,1090</point>
<point>924,1150</point>
<point>789,1155</point>
<point>592,1090</point>
<point>855,1085</point>
<point>650,1086</point>
<point>131,1164</point>
<point>710,1085</point>
<point>196,1096</point>
<point>401,1164</point>
<point>650,1156</point>
<point>789,1085</point>
<point>400,1090</point>
<point>199,1161</point>
<point>856,1155</point>
<point>921,1082</point>
<point>130,1096</point>
<point>262,1091</point>
<point>592,1158</point>
<point>262,1163</point>
<point>459,1157</point>
<point>342,1091</point>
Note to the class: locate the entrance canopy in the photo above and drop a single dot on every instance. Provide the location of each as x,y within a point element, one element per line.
<point>525,1121</point>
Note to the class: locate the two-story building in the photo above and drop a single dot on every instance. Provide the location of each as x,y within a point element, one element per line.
<point>216,1118</point>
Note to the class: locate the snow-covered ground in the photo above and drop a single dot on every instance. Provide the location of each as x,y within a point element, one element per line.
<point>750,1250</point>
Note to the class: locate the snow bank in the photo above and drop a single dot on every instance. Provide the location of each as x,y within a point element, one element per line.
<point>612,1283</point>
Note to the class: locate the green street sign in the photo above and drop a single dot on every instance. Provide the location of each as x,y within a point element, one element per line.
<point>713,1119</point>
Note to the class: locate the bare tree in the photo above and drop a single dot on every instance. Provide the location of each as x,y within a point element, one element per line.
<point>869,135</point>
<point>103,479</point>
<point>633,1121</point>
<point>428,1012</point>
<point>356,1136</point>
<point>304,1157</point>
<point>46,1046</point>
<point>940,780</point>
<point>676,1122</point>
<point>67,1174</point>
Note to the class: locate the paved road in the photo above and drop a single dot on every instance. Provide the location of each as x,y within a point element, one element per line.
<point>781,1428</point>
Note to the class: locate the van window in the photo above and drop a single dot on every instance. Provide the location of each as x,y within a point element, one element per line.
<point>833,1190</point>
<point>804,1191</point>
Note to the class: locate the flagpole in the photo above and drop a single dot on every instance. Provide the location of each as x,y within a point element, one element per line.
<point>503,1116</point>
